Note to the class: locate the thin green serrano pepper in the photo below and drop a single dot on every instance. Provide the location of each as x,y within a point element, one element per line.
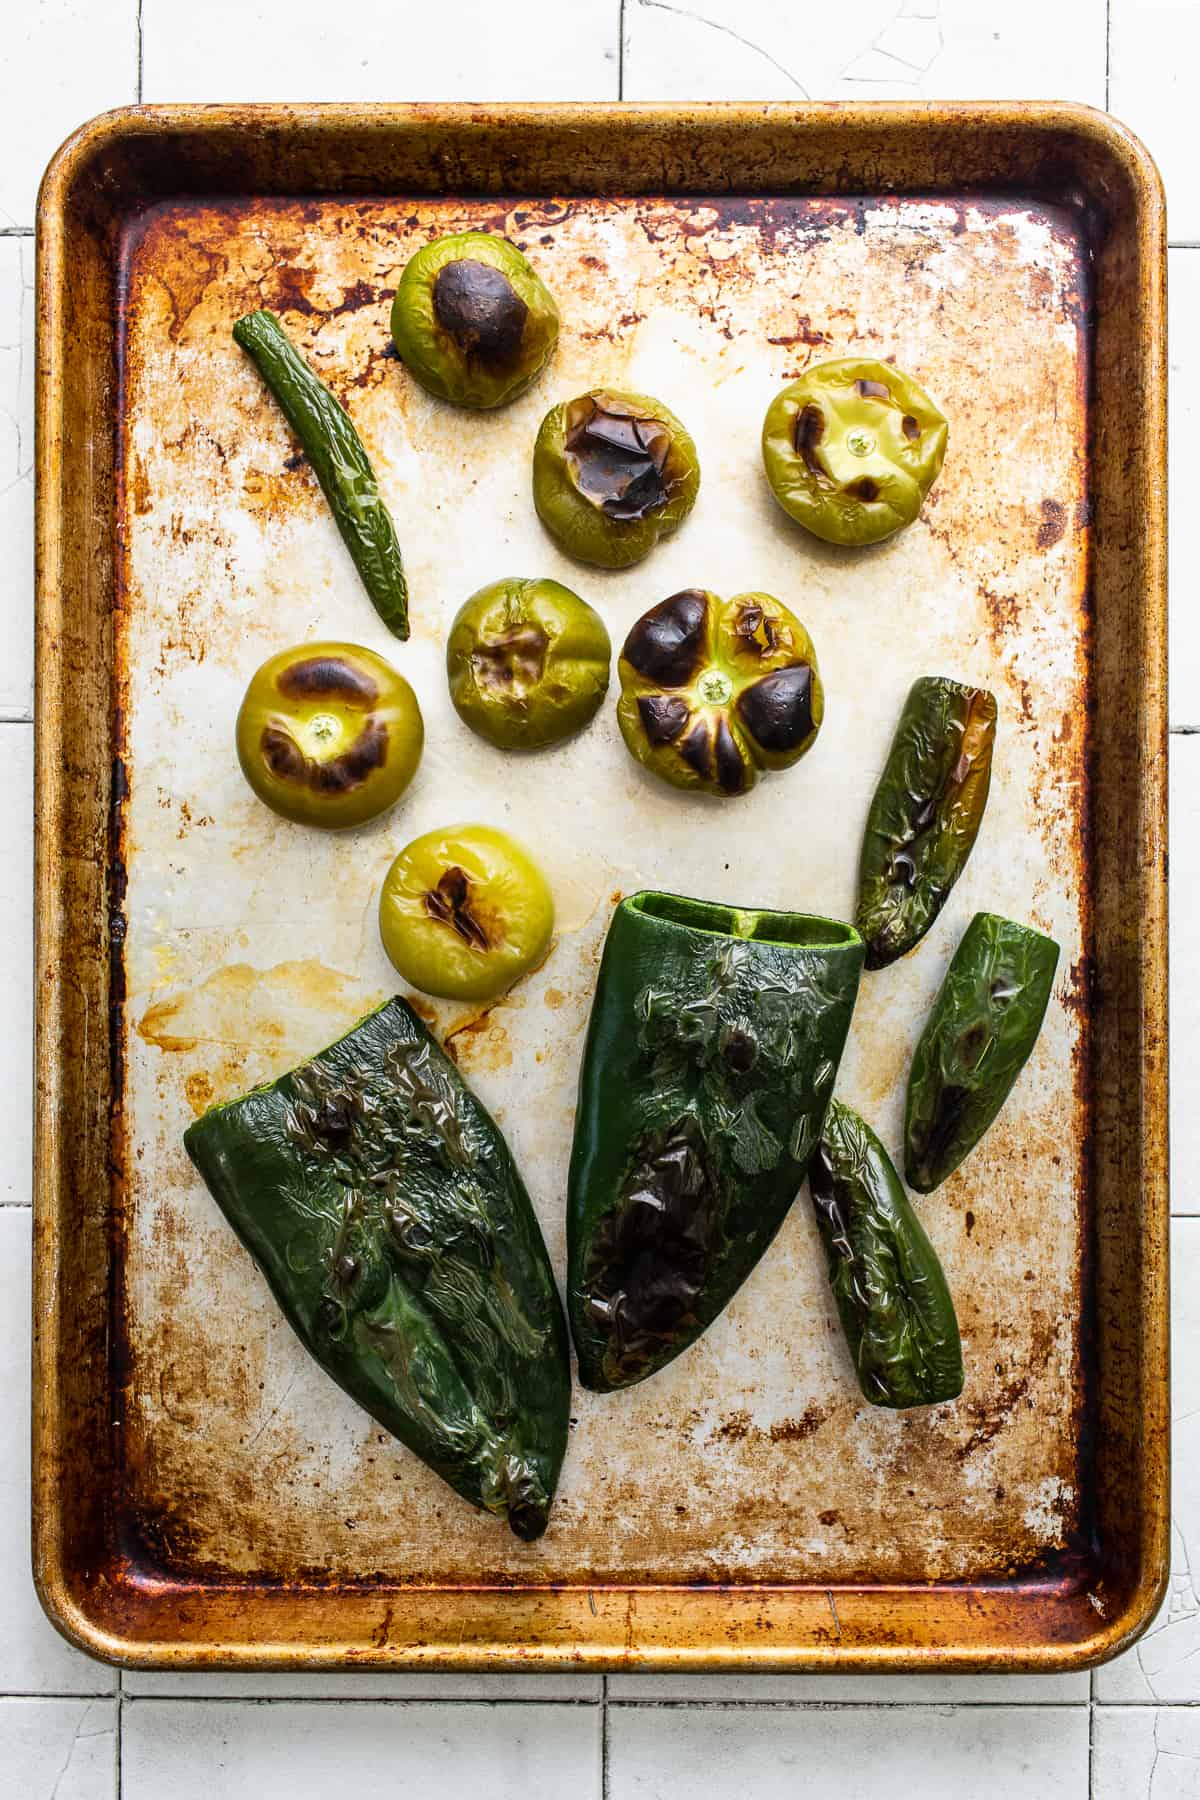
<point>925,815</point>
<point>342,466</point>
<point>888,1284</point>
<point>984,1024</point>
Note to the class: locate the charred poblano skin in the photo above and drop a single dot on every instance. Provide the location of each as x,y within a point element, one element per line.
<point>382,1204</point>
<point>925,815</point>
<point>984,1024</point>
<point>887,1282</point>
<point>340,463</point>
<point>712,1048</point>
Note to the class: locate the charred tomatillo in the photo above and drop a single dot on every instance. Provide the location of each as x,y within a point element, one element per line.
<point>527,663</point>
<point>473,320</point>
<point>852,449</point>
<point>329,734</point>
<point>465,912</point>
<point>713,691</point>
<point>612,474</point>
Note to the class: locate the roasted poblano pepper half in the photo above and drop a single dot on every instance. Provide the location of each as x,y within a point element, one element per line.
<point>984,1024</point>
<point>341,465</point>
<point>714,1040</point>
<point>382,1204</point>
<point>887,1282</point>
<point>713,691</point>
<point>925,815</point>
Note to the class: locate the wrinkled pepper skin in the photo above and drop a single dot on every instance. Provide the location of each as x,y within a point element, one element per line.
<point>715,691</point>
<point>711,1053</point>
<point>341,465</point>
<point>887,1282</point>
<point>984,1024</point>
<point>382,1205</point>
<point>925,815</point>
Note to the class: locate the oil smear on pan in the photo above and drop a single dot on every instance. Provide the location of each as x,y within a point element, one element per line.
<point>252,943</point>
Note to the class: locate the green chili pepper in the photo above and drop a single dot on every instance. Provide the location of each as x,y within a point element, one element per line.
<point>384,1208</point>
<point>978,1038</point>
<point>342,466</point>
<point>889,1287</point>
<point>925,815</point>
<point>711,1053</point>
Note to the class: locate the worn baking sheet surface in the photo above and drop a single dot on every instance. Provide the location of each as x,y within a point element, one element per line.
<point>251,942</point>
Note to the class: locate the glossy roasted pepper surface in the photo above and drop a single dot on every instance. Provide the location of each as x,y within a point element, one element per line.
<point>852,448</point>
<point>380,1201</point>
<point>329,734</point>
<point>613,474</point>
<point>473,320</point>
<point>340,463</point>
<point>527,663</point>
<point>714,1039</point>
<point>714,691</point>
<point>925,815</point>
<point>979,1036</point>
<point>887,1282</point>
<point>464,912</point>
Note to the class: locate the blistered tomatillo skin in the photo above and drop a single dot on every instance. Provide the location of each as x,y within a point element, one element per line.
<point>612,475</point>
<point>852,449</point>
<point>527,663</point>
<point>713,691</point>
<point>464,912</point>
<point>472,319</point>
<point>329,734</point>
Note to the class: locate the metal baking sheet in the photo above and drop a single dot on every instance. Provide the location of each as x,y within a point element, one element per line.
<point>752,1463</point>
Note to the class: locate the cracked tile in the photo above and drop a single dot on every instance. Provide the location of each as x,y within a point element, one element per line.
<point>474,50</point>
<point>1150,1750</point>
<point>33,1658</point>
<point>16,475</point>
<point>859,1753</point>
<point>878,50</point>
<point>1154,46</point>
<point>213,1750</point>
<point>1165,1663</point>
<point>58,1749</point>
<point>64,61</point>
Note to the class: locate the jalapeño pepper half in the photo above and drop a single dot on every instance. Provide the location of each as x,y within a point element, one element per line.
<point>384,1209</point>
<point>711,1052</point>
<point>714,690</point>
<point>984,1024</point>
<point>887,1282</point>
<point>925,815</point>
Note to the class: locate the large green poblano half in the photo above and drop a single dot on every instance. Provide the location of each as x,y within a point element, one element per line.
<point>712,1048</point>
<point>382,1204</point>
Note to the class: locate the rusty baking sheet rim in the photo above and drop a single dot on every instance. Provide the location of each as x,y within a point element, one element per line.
<point>613,1627</point>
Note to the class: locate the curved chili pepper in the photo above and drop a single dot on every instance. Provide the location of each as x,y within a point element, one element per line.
<point>891,1293</point>
<point>984,1024</point>
<point>925,815</point>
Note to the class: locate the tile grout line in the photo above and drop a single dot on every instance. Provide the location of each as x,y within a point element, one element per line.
<point>138,27</point>
<point>620,48</point>
<point>1107,48</point>
<point>604,1725</point>
<point>120,1757</point>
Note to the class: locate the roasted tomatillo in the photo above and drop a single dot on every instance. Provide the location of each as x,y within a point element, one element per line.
<point>527,663</point>
<point>852,449</point>
<point>329,734</point>
<point>472,320</point>
<point>714,690</point>
<point>465,912</point>
<point>612,474</point>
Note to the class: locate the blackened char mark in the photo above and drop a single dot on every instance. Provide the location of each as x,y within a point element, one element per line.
<point>667,644</point>
<point>777,711</point>
<point>287,762</point>
<point>663,716</point>
<point>481,310</point>
<point>327,678</point>
<point>618,460</point>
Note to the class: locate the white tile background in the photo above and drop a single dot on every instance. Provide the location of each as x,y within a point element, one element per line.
<point>72,1730</point>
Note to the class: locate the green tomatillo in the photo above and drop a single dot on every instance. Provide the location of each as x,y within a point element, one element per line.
<point>472,319</point>
<point>852,449</point>
<point>527,662</point>
<point>612,474</point>
<point>713,691</point>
